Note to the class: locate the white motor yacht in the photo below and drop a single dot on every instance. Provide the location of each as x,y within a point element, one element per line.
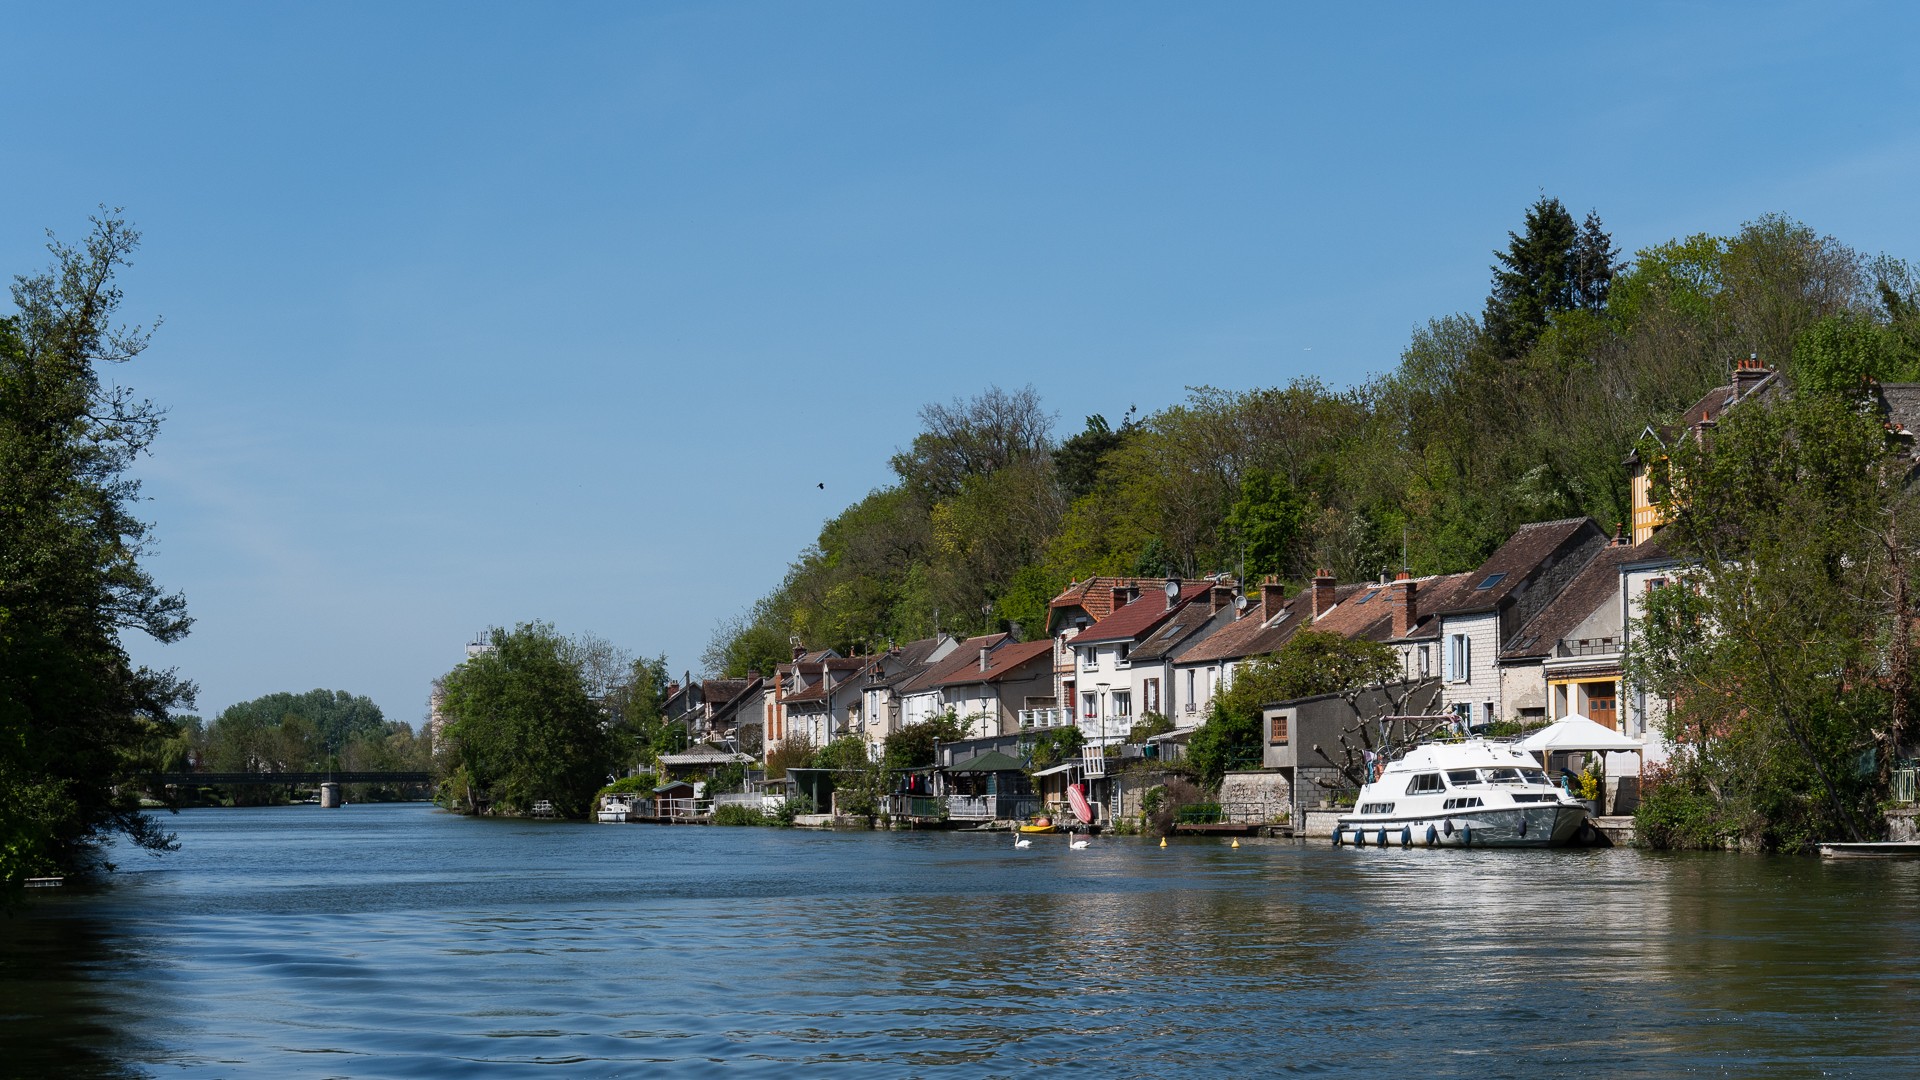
<point>615,809</point>
<point>1476,793</point>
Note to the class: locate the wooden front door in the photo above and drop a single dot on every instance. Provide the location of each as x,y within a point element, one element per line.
<point>1603,704</point>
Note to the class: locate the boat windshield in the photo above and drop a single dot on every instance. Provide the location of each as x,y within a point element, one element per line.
<point>1536,776</point>
<point>1462,777</point>
<point>1501,776</point>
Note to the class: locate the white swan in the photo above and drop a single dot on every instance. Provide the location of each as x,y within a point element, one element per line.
<point>1078,844</point>
<point>1022,842</point>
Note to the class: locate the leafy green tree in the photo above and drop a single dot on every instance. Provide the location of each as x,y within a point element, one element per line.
<point>1788,670</point>
<point>1267,520</point>
<point>77,718</point>
<point>915,746</point>
<point>522,727</point>
<point>1055,745</point>
<point>859,782</point>
<point>319,725</point>
<point>1840,354</point>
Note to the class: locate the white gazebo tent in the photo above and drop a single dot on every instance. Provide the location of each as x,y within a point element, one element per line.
<point>1576,733</point>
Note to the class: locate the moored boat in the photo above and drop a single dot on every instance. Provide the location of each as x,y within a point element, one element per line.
<point>615,809</point>
<point>1475,793</point>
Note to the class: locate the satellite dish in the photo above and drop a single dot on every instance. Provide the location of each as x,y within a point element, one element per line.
<point>1173,588</point>
<point>1240,602</point>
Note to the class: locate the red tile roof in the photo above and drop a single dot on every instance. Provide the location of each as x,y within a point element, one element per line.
<point>1141,617</point>
<point>1013,661</point>
<point>967,654</point>
<point>1255,634</point>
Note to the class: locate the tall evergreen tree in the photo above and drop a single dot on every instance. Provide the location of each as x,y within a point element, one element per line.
<point>1555,266</point>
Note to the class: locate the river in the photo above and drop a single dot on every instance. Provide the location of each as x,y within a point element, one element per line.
<point>401,941</point>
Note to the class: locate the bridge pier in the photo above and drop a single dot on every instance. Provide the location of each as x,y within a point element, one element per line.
<point>329,794</point>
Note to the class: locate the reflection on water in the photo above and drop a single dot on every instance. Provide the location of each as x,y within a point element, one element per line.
<point>395,941</point>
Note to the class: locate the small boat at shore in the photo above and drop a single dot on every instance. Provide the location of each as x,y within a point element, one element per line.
<point>1886,849</point>
<point>1047,828</point>
<point>615,809</point>
<point>1475,793</point>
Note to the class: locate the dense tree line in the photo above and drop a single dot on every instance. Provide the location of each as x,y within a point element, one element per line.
<point>77,717</point>
<point>318,731</point>
<point>1521,413</point>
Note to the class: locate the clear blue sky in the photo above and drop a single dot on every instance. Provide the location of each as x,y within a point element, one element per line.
<point>484,313</point>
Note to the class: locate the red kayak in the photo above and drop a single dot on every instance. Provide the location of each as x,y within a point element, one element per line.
<point>1082,809</point>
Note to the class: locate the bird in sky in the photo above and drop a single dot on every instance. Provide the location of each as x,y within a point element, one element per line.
<point>822,487</point>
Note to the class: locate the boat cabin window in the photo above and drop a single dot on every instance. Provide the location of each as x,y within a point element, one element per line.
<point>1425,783</point>
<point>1376,808</point>
<point>1462,777</point>
<point>1536,776</point>
<point>1501,776</point>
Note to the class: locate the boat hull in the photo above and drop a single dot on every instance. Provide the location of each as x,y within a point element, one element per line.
<point>1546,825</point>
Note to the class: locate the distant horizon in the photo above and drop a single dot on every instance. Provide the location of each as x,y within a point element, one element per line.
<point>484,315</point>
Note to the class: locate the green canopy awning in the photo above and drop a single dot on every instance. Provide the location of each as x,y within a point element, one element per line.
<point>989,762</point>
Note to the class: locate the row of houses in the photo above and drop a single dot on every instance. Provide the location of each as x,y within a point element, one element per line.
<point>1536,632</point>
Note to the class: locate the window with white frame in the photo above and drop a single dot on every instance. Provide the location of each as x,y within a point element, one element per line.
<point>1426,660</point>
<point>1123,703</point>
<point>1090,705</point>
<point>1459,658</point>
<point>1090,658</point>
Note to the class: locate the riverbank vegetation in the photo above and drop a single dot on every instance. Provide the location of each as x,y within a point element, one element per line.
<point>77,718</point>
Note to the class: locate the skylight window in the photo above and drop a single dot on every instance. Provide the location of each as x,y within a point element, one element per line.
<point>1370,595</point>
<point>1492,580</point>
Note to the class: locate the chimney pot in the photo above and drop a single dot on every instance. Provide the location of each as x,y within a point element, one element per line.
<point>1272,596</point>
<point>983,658</point>
<point>1402,600</point>
<point>1323,592</point>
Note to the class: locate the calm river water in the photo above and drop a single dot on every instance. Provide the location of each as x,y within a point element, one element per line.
<point>399,941</point>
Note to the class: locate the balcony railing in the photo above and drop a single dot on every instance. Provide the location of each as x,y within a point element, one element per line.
<point>1045,718</point>
<point>1600,646</point>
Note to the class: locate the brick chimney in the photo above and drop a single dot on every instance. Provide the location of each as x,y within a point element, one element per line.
<point>1748,374</point>
<point>1121,595</point>
<point>799,651</point>
<point>1221,596</point>
<point>1323,594</point>
<point>1272,596</point>
<point>1402,600</point>
<point>673,687</point>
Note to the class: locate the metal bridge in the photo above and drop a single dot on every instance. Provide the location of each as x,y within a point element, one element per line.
<point>216,779</point>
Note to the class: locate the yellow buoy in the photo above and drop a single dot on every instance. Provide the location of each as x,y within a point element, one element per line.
<point>1163,841</point>
<point>1236,843</point>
